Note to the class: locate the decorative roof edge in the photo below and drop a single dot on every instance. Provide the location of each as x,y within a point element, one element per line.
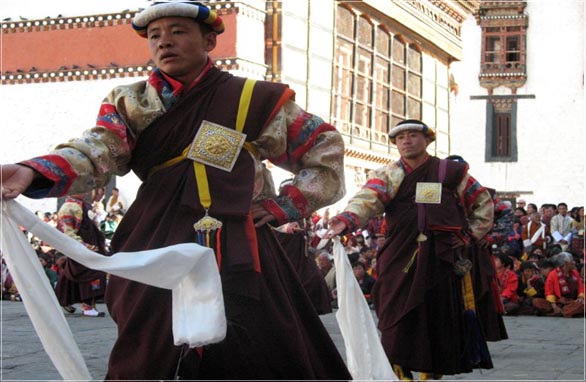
<point>89,21</point>
<point>106,73</point>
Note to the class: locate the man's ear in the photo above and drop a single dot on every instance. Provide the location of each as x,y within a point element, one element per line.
<point>210,41</point>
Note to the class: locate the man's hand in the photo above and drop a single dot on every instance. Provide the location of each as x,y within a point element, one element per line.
<point>15,180</point>
<point>260,215</point>
<point>336,228</point>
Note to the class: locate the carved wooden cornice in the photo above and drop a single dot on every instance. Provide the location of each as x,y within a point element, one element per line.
<point>106,73</point>
<point>108,19</point>
<point>381,159</point>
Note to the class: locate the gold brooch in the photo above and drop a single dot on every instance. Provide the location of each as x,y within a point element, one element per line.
<point>429,193</point>
<point>217,146</point>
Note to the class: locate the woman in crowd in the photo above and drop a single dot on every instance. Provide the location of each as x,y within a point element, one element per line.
<point>564,288</point>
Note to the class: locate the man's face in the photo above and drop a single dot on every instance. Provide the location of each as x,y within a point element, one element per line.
<point>380,241</point>
<point>521,203</point>
<point>179,48</point>
<point>548,212</point>
<point>411,144</point>
<point>528,273</point>
<point>562,210</point>
<point>358,271</point>
<point>536,218</point>
<point>323,262</point>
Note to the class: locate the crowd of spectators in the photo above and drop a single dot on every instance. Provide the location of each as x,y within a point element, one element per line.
<point>105,214</point>
<point>538,254</point>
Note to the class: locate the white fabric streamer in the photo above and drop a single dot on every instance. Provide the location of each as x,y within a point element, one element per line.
<point>189,270</point>
<point>365,357</point>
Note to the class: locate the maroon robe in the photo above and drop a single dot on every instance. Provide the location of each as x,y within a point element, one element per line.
<point>420,307</point>
<point>273,331</point>
<point>78,283</point>
<point>295,246</point>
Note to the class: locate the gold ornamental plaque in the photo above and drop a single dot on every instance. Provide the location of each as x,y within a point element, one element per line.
<point>428,193</point>
<point>216,146</point>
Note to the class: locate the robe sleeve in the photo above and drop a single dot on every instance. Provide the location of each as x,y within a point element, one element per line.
<point>479,206</point>
<point>375,195</point>
<point>89,161</point>
<point>313,151</point>
<point>70,216</point>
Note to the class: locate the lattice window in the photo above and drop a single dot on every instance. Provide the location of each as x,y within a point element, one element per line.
<point>377,77</point>
<point>501,130</point>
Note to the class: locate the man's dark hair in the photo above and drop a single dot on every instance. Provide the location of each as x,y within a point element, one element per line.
<point>505,260</point>
<point>528,265</point>
<point>562,204</point>
<point>546,263</point>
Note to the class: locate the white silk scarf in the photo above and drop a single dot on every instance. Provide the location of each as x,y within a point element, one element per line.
<point>189,270</point>
<point>365,356</point>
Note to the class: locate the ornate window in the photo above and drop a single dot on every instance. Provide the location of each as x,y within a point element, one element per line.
<point>501,129</point>
<point>377,78</point>
<point>504,46</point>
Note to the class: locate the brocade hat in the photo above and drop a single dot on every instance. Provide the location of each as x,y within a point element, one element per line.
<point>177,8</point>
<point>411,124</point>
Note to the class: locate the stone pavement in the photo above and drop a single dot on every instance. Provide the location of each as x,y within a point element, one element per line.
<point>539,348</point>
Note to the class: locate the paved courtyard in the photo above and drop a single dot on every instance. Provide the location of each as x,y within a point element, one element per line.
<point>539,348</point>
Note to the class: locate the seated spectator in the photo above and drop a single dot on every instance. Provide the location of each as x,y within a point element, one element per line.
<point>380,240</point>
<point>373,227</point>
<point>108,226</point>
<point>520,212</point>
<point>535,233</point>
<point>514,237</point>
<point>553,250</point>
<point>536,255</point>
<point>564,288</point>
<point>507,282</point>
<point>48,271</point>
<point>325,264</point>
<point>360,241</point>
<point>531,286</point>
<point>530,209</point>
<point>373,272</point>
<point>365,281</point>
<point>578,231</point>
<point>560,225</point>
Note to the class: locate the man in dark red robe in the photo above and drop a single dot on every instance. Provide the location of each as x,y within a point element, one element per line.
<point>423,297</point>
<point>197,138</point>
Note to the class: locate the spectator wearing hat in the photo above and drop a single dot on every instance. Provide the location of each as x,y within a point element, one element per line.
<point>564,288</point>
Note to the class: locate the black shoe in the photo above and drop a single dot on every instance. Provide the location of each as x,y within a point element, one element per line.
<point>69,309</point>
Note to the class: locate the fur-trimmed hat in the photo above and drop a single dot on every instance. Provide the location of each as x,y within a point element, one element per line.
<point>411,124</point>
<point>177,8</point>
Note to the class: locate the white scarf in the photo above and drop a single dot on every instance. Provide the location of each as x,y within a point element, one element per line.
<point>189,270</point>
<point>365,357</point>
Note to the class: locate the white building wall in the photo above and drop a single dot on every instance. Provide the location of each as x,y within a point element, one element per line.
<point>550,128</point>
<point>37,117</point>
<point>307,52</point>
